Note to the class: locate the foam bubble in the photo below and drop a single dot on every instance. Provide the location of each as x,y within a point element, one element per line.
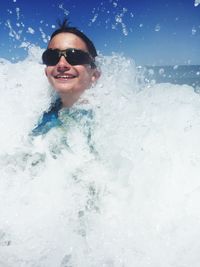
<point>133,202</point>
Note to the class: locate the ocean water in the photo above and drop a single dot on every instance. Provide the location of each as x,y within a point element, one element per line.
<point>132,201</point>
<point>175,74</point>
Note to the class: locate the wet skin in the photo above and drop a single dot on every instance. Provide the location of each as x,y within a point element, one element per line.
<point>70,81</point>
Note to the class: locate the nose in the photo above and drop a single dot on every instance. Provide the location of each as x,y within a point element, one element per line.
<point>63,64</point>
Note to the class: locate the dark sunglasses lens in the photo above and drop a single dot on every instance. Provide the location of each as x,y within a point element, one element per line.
<point>77,57</point>
<point>74,57</point>
<point>50,57</point>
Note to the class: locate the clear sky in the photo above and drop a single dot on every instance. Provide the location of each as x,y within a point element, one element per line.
<point>149,31</point>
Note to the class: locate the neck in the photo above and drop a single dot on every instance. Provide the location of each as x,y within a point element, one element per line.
<point>68,101</point>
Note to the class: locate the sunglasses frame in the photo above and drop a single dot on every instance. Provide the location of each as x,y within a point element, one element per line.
<point>89,60</point>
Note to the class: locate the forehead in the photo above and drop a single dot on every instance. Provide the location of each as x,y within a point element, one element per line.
<point>66,40</point>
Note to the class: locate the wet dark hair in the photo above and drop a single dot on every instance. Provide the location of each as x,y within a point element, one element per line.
<point>64,27</point>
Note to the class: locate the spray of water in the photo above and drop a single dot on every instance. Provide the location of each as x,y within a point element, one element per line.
<point>196,2</point>
<point>129,197</point>
<point>130,201</point>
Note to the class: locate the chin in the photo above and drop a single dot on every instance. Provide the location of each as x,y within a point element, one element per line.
<point>68,90</point>
<point>63,89</point>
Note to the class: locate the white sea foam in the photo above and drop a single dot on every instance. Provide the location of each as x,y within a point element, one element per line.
<point>133,203</point>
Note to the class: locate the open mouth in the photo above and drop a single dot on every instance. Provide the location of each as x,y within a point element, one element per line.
<point>65,77</point>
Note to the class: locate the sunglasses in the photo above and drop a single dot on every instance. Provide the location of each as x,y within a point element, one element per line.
<point>51,57</point>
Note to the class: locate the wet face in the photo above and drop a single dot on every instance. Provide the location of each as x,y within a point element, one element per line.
<point>69,81</point>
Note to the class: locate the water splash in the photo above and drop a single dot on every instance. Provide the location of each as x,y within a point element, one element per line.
<point>65,11</point>
<point>194,31</point>
<point>157,28</point>
<point>115,16</point>
<point>132,200</point>
<point>63,205</point>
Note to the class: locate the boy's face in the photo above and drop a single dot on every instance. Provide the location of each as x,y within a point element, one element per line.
<point>70,81</point>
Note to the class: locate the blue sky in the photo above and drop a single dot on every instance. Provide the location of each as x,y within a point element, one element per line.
<point>150,32</point>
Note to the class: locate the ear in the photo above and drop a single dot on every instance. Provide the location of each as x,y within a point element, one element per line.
<point>95,76</point>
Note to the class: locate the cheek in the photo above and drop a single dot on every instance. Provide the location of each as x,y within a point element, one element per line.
<point>48,71</point>
<point>84,79</point>
<point>87,80</point>
<point>49,75</point>
<point>86,74</point>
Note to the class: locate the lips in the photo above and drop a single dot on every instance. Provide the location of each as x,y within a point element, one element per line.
<point>65,76</point>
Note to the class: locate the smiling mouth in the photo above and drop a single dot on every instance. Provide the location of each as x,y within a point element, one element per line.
<point>65,77</point>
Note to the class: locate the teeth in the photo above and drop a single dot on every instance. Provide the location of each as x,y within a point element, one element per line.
<point>65,76</point>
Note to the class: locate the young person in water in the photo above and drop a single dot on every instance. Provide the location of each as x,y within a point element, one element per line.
<point>70,70</point>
